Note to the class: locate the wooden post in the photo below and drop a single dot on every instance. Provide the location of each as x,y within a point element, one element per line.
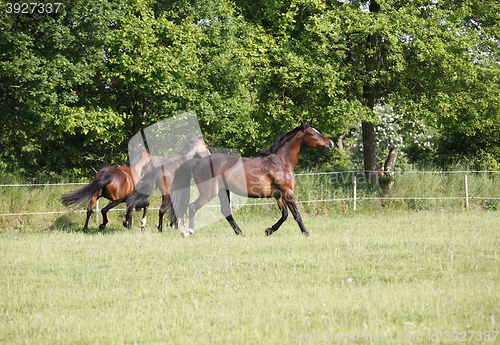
<point>354,205</point>
<point>466,193</point>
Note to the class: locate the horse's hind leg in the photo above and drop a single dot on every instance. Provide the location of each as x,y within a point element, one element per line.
<point>290,201</point>
<point>105,213</point>
<point>92,203</point>
<point>128,218</point>
<point>225,207</point>
<point>163,209</point>
<point>143,220</point>
<point>284,215</point>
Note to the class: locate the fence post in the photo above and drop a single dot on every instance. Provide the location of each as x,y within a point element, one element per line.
<point>97,212</point>
<point>466,193</point>
<point>354,205</point>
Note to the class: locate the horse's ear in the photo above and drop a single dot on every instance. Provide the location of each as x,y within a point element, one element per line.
<point>303,124</point>
<point>310,123</point>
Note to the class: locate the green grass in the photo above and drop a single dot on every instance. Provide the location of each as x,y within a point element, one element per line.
<point>391,272</point>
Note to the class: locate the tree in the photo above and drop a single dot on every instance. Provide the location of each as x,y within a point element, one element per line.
<point>50,64</point>
<point>76,84</point>
<point>426,57</point>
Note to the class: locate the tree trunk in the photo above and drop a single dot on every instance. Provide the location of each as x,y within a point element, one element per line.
<point>369,94</point>
<point>389,165</point>
<point>370,153</point>
<point>340,143</point>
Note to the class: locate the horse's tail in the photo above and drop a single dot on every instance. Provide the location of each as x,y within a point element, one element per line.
<point>180,191</point>
<point>82,196</point>
<point>140,196</point>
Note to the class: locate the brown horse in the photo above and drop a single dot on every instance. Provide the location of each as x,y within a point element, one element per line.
<point>269,175</point>
<point>160,175</point>
<point>115,184</point>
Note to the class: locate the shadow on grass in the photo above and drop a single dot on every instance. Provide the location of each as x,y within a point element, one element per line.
<point>67,223</point>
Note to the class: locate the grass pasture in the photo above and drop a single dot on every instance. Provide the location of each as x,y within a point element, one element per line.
<point>372,274</point>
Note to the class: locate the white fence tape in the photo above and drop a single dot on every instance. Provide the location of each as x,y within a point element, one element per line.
<point>354,199</point>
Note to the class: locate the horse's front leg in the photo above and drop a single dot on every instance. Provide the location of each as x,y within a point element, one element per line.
<point>193,208</point>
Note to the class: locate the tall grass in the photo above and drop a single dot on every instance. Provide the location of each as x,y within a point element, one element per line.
<point>338,187</point>
<point>411,191</point>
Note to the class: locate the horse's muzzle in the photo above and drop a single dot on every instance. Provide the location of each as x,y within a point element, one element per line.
<point>329,146</point>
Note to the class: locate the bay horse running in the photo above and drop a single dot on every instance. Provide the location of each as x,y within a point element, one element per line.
<point>160,175</point>
<point>270,175</point>
<point>115,184</point>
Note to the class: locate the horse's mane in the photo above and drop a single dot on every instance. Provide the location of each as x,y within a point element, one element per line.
<point>136,159</point>
<point>280,140</point>
<point>188,147</point>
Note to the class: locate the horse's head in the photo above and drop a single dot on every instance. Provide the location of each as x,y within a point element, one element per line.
<point>145,156</point>
<point>141,158</point>
<point>200,148</point>
<point>313,138</point>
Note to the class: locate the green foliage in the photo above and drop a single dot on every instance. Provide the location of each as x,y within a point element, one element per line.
<point>449,149</point>
<point>313,160</point>
<point>48,62</point>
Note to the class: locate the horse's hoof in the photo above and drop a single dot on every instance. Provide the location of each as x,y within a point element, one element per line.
<point>142,229</point>
<point>125,224</point>
<point>305,233</point>
<point>102,227</point>
<point>187,233</point>
<point>269,231</point>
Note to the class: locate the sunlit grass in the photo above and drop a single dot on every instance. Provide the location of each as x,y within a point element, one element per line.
<point>395,272</point>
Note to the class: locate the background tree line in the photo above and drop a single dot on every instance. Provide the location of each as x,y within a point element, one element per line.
<point>373,75</point>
